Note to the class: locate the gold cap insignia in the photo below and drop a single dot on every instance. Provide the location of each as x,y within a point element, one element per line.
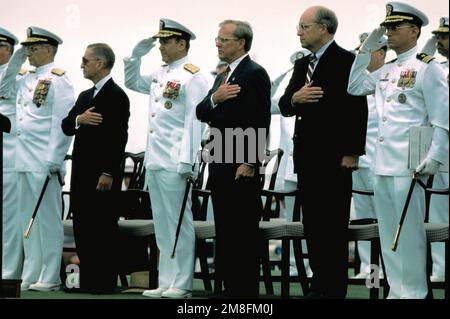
<point>389,9</point>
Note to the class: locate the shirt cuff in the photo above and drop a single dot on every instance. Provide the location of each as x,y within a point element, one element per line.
<point>212,103</point>
<point>76,123</point>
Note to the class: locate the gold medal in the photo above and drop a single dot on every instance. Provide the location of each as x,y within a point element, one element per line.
<point>402,98</point>
<point>168,105</point>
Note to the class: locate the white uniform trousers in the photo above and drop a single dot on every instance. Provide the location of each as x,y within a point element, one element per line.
<point>43,248</point>
<point>364,208</point>
<point>439,214</point>
<point>12,235</point>
<point>406,267</point>
<point>166,195</point>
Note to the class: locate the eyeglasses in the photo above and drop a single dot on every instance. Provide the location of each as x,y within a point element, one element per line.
<point>86,61</point>
<point>224,40</point>
<point>305,27</point>
<point>395,27</point>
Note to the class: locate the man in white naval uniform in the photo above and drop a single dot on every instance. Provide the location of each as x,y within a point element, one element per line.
<point>363,177</point>
<point>44,97</point>
<point>439,205</point>
<point>280,136</point>
<point>409,91</point>
<point>12,261</point>
<point>173,139</point>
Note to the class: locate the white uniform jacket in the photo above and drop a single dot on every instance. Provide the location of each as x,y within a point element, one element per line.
<point>408,92</point>
<point>174,133</point>
<point>44,97</point>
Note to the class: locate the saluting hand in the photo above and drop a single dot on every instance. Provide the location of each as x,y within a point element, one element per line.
<point>90,118</point>
<point>308,94</point>
<point>225,92</point>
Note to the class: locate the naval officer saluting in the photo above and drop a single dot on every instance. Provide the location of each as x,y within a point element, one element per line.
<point>409,91</point>
<point>173,138</point>
<point>44,97</point>
<point>12,262</point>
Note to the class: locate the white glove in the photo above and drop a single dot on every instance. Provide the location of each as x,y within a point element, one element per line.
<point>19,56</point>
<point>143,47</point>
<point>371,43</point>
<point>52,168</point>
<point>430,46</point>
<point>185,170</point>
<point>428,167</point>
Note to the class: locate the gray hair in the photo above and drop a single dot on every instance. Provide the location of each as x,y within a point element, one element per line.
<point>243,31</point>
<point>327,17</point>
<point>104,52</point>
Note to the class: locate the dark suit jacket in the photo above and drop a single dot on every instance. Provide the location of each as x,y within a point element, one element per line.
<point>336,125</point>
<point>99,149</point>
<point>250,109</point>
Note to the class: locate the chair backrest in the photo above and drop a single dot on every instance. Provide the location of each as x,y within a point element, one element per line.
<point>137,174</point>
<point>269,170</point>
<point>200,192</point>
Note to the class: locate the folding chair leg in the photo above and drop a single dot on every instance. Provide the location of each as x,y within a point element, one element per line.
<point>299,257</point>
<point>446,270</point>
<point>265,263</point>
<point>153,271</point>
<point>123,280</point>
<point>428,272</point>
<point>285,252</point>
<point>201,246</point>
<point>374,260</point>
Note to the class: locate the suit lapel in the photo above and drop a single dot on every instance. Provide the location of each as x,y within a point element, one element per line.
<point>239,69</point>
<point>326,57</point>
<point>104,89</point>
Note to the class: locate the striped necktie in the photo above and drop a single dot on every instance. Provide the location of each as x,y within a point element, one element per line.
<point>309,74</point>
<point>225,75</point>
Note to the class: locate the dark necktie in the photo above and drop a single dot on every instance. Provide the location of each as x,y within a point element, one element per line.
<point>309,74</point>
<point>225,75</point>
<point>91,94</point>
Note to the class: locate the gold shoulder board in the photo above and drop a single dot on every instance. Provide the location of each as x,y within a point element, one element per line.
<point>22,71</point>
<point>191,68</point>
<point>425,57</point>
<point>58,72</point>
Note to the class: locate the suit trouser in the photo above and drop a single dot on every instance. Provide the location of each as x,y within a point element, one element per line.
<point>43,248</point>
<point>439,214</point>
<point>166,195</point>
<point>325,217</point>
<point>237,210</point>
<point>406,267</point>
<point>364,208</point>
<point>12,231</point>
<point>96,237</point>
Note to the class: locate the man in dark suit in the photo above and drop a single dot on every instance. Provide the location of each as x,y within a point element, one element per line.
<point>329,137</point>
<point>237,108</point>
<point>99,121</point>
